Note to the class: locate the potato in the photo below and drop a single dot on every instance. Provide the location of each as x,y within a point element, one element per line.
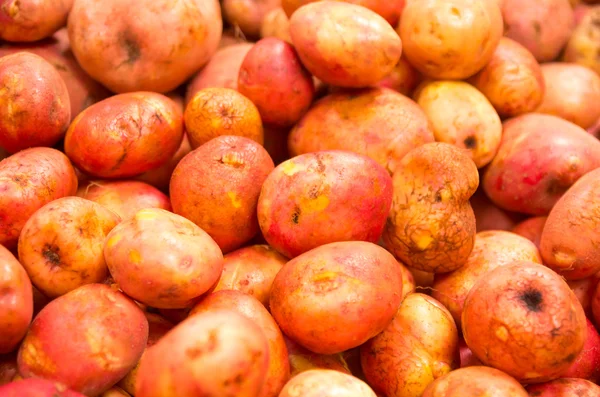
<point>527,23</point>
<point>450,39</point>
<point>475,382</point>
<point>278,371</point>
<point>231,35</point>
<point>302,359</point>
<point>404,78</point>
<point>332,43</point>
<point>533,329</point>
<point>462,116</point>
<point>161,176</point>
<point>584,44</point>
<point>492,249</point>
<point>390,9</point>
<point>572,92</point>
<point>431,225</point>
<point>531,229</point>
<point>227,210</point>
<point>512,80</point>
<point>248,15</point>
<point>337,296</point>
<point>417,347</point>
<point>34,103</point>
<point>32,20</point>
<point>151,46</point>
<point>467,358</point>
<point>584,290</point>
<point>219,352</point>
<point>16,303</point>
<point>489,216</point>
<point>383,124</point>
<point>540,157</point>
<point>276,24</point>
<point>124,198</point>
<point>8,367</point>
<point>29,180</point>
<point>320,189</point>
<point>168,276</point>
<point>565,387</point>
<point>125,135</point>
<point>36,388</point>
<point>326,383</point>
<point>587,363</point>
<point>102,347</point>
<point>115,392</point>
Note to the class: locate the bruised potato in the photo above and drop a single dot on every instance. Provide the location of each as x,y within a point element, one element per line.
<point>326,383</point>
<point>475,381</point>
<point>32,20</point>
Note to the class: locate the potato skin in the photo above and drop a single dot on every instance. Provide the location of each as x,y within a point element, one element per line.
<point>102,347</point>
<point>122,48</point>
<point>565,387</point>
<point>531,229</point>
<point>248,15</point>
<point>474,382</point>
<point>384,124</point>
<point>328,36</point>
<point>160,177</point>
<point>404,78</point>
<point>390,10</point>
<point>8,366</point>
<point>145,128</point>
<point>167,276</point>
<point>28,180</point>
<point>276,24</point>
<point>587,364</point>
<point>418,346</point>
<point>489,216</point>
<point>337,296</point>
<point>32,20</point>
<point>326,383</point>
<point>219,352</point>
<point>34,387</point>
<point>584,44</point>
<point>302,359</point>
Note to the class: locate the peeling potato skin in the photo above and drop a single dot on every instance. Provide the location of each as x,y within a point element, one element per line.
<point>278,370</point>
<point>276,24</point>
<point>248,15</point>
<point>390,10</point>
<point>524,319</point>
<point>587,364</point>
<point>404,78</point>
<point>61,245</point>
<point>32,20</point>
<point>102,347</point>
<point>125,135</point>
<point>217,353</point>
<point>326,383</point>
<point>539,158</point>
<point>475,382</point>
<point>34,102</point>
<point>431,225</point>
<point>512,80</point>
<point>36,388</point>
<point>565,387</point>
<point>384,125</point>
<point>16,301</point>
<point>302,359</point>
<point>161,177</point>
<point>337,296</point>
<point>122,48</point>
<point>531,229</point>
<point>187,264</point>
<point>417,347</point>
<point>28,180</point>
<point>492,249</point>
<point>329,196</point>
<point>330,42</point>
<point>584,43</point>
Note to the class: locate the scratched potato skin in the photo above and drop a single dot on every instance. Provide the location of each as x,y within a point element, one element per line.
<point>37,388</point>
<point>102,347</point>
<point>32,20</point>
<point>475,381</point>
<point>326,383</point>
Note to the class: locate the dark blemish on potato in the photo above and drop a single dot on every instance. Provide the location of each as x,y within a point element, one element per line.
<point>470,142</point>
<point>532,298</point>
<point>313,192</point>
<point>537,27</point>
<point>296,215</point>
<point>438,197</point>
<point>571,357</point>
<point>320,164</point>
<point>131,47</point>
<point>51,254</point>
<point>120,160</point>
<point>158,117</point>
<point>60,67</point>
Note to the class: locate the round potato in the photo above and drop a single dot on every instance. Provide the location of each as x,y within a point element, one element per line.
<point>475,381</point>
<point>248,15</point>
<point>32,20</point>
<point>565,387</point>
<point>326,383</point>
<point>584,45</point>
<point>36,388</point>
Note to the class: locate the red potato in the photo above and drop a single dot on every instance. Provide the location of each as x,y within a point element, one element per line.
<point>584,290</point>
<point>330,40</point>
<point>584,45</point>
<point>404,78</point>
<point>8,368</point>
<point>102,347</point>
<point>226,211</point>
<point>186,265</point>
<point>531,229</point>
<point>489,216</point>
<point>326,383</point>
<point>125,135</point>
<point>161,176</point>
<point>565,387</point>
<point>36,388</point>
<point>276,24</point>
<point>61,245</point>
<point>154,46</point>
<point>248,15</point>
<point>388,9</point>
<point>34,102</point>
<point>218,352</point>
<point>475,381</point>
<point>587,364</point>
<point>29,180</point>
<point>16,301</point>
<point>337,296</point>
<point>302,359</point>
<point>32,20</point>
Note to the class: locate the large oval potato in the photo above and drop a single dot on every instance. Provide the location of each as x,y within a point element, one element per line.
<point>326,383</point>
<point>475,381</point>
<point>32,20</point>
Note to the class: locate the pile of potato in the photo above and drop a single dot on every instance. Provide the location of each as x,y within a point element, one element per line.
<point>299,198</point>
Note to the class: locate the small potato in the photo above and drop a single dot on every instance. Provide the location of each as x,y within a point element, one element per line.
<point>125,135</point>
<point>34,102</point>
<point>248,15</point>
<point>417,347</point>
<point>331,41</point>
<point>36,388</point>
<point>383,124</point>
<point>512,80</point>
<point>450,39</point>
<point>161,176</point>
<point>584,45</point>
<point>404,78</point>
<point>302,359</point>
<point>388,9</point>
<point>587,364</point>
<point>32,20</point>
<point>572,92</point>
<point>337,296</point>
<point>326,383</point>
<point>489,216</point>
<point>29,180</point>
<point>184,265</point>
<point>531,229</point>
<point>476,381</point>
<point>431,225</point>
<point>276,24</point>
<point>462,116</point>
<point>107,336</point>
<point>565,387</point>
<point>216,353</point>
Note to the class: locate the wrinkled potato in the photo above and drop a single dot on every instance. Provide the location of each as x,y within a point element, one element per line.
<point>160,177</point>
<point>431,225</point>
<point>330,40</point>
<point>462,116</point>
<point>533,329</point>
<point>450,39</point>
<point>565,387</point>
<point>248,15</point>
<point>32,20</point>
<point>489,216</point>
<point>512,80</point>
<point>102,348</point>
<point>28,180</point>
<point>302,359</point>
<point>587,363</point>
<point>404,78</point>
<point>219,352</point>
<point>337,296</point>
<point>154,46</point>
<point>476,381</point>
<point>383,124</point>
<point>417,347</point>
<point>388,9</point>
<point>326,383</point>
<point>36,388</point>
<point>531,229</point>
<point>584,45</point>
<point>276,24</point>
